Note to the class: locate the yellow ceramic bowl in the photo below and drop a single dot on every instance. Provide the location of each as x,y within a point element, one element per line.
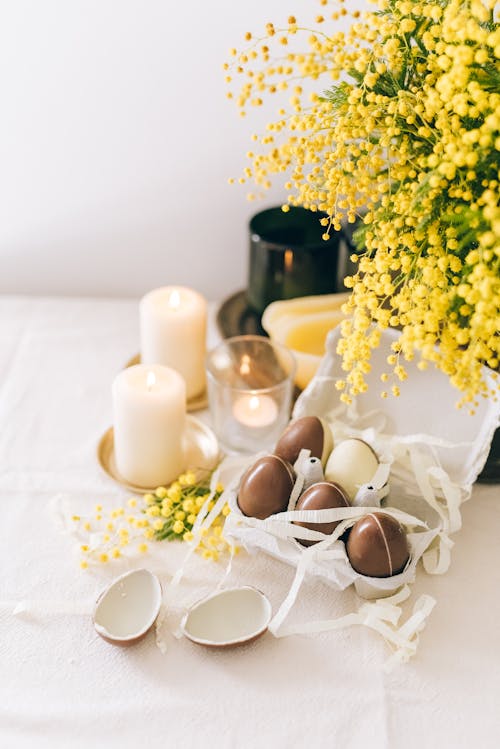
<point>302,325</point>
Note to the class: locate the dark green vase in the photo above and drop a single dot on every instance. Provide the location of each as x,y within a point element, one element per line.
<point>491,471</point>
<point>289,258</point>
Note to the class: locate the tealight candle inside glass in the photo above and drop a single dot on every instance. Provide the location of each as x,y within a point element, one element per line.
<point>250,385</point>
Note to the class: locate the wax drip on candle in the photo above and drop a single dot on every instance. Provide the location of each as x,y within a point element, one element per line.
<point>174,299</point>
<point>150,380</point>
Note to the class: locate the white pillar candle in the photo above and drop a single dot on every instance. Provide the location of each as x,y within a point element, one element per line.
<point>149,414</point>
<point>254,410</point>
<point>173,323</point>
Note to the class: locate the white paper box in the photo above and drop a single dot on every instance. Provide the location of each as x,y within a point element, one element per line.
<point>436,452</point>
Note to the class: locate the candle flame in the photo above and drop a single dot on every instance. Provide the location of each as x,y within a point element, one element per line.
<point>245,364</point>
<point>150,380</point>
<point>174,299</point>
<point>288,260</point>
<point>254,403</point>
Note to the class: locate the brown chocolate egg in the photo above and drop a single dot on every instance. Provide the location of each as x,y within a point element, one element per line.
<point>309,432</point>
<point>377,546</point>
<point>266,487</point>
<point>324,495</point>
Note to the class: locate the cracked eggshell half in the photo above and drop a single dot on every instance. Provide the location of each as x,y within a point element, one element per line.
<point>351,464</point>
<point>228,618</point>
<point>128,608</point>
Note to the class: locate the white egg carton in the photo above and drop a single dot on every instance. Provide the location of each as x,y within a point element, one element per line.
<point>435,452</point>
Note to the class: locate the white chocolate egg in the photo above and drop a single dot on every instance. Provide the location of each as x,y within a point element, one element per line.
<point>351,464</point>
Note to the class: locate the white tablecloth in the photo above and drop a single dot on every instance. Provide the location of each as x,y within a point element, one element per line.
<point>62,686</point>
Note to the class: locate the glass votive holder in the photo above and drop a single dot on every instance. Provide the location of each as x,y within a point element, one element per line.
<point>250,385</point>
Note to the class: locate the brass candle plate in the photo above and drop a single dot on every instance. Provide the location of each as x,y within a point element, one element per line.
<point>201,451</point>
<point>197,403</point>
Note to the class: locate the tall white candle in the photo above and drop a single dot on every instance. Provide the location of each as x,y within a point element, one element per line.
<point>173,323</point>
<point>149,414</point>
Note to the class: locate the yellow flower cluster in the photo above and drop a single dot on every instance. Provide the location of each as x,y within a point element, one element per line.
<point>404,139</point>
<point>170,513</point>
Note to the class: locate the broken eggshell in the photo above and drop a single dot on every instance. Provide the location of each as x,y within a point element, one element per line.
<point>127,609</point>
<point>228,618</point>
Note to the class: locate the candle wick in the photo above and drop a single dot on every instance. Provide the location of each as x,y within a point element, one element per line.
<point>245,365</point>
<point>174,300</point>
<point>254,403</point>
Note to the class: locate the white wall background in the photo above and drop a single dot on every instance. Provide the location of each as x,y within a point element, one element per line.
<point>116,142</point>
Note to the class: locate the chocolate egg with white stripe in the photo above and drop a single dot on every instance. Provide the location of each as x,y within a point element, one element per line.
<point>377,546</point>
<point>266,487</point>
<point>321,496</point>
<point>308,432</point>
